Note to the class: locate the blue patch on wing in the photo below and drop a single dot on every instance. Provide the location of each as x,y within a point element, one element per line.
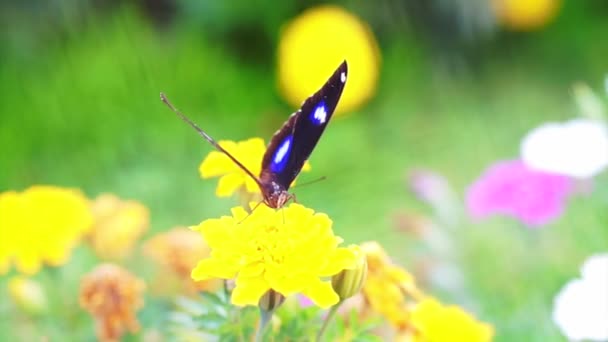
<point>281,155</point>
<point>318,116</point>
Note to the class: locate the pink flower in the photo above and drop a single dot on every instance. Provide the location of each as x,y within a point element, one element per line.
<point>304,301</point>
<point>512,189</point>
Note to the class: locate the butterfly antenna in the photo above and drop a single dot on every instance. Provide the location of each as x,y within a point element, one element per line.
<point>164,98</point>
<point>322,178</point>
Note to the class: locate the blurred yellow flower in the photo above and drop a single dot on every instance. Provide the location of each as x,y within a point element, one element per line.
<point>28,295</point>
<point>526,15</point>
<point>112,295</point>
<point>41,225</point>
<point>118,225</point>
<point>232,178</point>
<point>312,45</point>
<point>178,251</point>
<point>389,289</point>
<point>287,250</point>
<point>435,322</point>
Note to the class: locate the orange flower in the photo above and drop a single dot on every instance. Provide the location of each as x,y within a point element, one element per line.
<point>118,225</point>
<point>112,295</point>
<point>178,251</point>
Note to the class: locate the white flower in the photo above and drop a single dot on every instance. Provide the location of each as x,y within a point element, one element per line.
<point>581,308</point>
<point>577,148</point>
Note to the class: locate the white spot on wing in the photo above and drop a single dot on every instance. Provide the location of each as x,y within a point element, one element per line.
<point>320,114</point>
<point>343,77</point>
<point>282,151</point>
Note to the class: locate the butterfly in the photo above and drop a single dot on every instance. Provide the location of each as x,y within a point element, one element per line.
<point>292,144</point>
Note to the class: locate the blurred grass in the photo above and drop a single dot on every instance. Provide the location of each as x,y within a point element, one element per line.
<point>84,112</point>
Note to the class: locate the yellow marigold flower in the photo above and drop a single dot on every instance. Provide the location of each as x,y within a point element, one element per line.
<point>314,43</point>
<point>287,250</point>
<point>526,15</point>
<point>118,225</point>
<point>41,225</point>
<point>112,295</point>
<point>178,251</point>
<point>28,295</point>
<point>389,289</point>
<point>435,322</point>
<point>232,178</point>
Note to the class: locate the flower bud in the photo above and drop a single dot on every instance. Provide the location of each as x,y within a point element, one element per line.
<point>349,281</point>
<point>271,300</point>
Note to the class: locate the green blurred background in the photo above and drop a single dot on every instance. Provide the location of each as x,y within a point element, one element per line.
<point>79,82</point>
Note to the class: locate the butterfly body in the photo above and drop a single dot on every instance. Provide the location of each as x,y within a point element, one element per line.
<point>293,143</point>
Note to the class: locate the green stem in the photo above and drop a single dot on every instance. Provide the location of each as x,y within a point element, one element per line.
<point>265,317</point>
<point>328,318</point>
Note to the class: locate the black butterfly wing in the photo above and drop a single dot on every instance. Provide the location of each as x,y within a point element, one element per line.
<point>291,146</point>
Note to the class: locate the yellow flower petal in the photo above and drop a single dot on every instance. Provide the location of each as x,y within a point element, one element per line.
<point>216,231</point>
<point>288,285</point>
<point>27,263</point>
<point>248,290</point>
<point>344,258</point>
<point>229,184</point>
<point>252,186</point>
<point>322,294</point>
<point>216,164</point>
<point>211,268</point>
<point>435,322</point>
<point>252,270</point>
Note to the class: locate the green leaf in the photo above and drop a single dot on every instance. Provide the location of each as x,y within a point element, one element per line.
<point>210,322</point>
<point>190,306</point>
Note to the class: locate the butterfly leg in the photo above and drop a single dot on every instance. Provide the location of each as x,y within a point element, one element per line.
<point>251,212</point>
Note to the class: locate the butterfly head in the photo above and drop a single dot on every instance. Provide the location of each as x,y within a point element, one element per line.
<point>275,196</point>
